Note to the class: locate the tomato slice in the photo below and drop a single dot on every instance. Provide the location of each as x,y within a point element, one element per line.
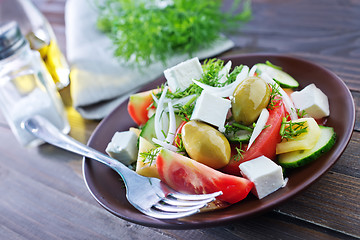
<point>188,176</point>
<point>177,140</point>
<point>138,106</point>
<point>265,143</point>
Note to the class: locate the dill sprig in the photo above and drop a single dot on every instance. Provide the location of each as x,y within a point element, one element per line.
<point>236,132</point>
<point>301,113</point>
<point>239,153</point>
<point>185,111</point>
<point>235,127</point>
<point>190,90</point>
<point>275,96</point>
<point>146,31</point>
<point>291,130</point>
<point>180,144</point>
<point>211,68</point>
<point>150,156</point>
<point>211,77</point>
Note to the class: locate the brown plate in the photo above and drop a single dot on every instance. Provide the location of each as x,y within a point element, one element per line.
<point>107,187</point>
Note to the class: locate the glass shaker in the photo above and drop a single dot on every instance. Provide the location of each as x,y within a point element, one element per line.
<point>26,87</point>
<point>35,27</point>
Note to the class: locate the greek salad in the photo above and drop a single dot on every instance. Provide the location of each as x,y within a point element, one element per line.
<point>217,127</point>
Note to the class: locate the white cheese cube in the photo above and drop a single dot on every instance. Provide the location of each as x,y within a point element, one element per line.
<point>313,101</point>
<point>264,173</point>
<point>123,147</point>
<point>181,75</point>
<point>211,109</point>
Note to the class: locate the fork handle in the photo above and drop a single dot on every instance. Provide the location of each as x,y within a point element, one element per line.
<point>43,129</point>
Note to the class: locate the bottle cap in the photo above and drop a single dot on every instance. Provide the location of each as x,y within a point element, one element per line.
<point>11,39</point>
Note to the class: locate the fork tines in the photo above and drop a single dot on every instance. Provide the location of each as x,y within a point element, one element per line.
<point>178,205</point>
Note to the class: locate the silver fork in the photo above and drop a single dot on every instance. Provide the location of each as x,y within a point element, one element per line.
<point>149,195</point>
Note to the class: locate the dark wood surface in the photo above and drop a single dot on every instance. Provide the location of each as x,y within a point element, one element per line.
<point>43,195</point>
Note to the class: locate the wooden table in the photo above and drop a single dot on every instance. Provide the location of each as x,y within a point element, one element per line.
<point>43,195</point>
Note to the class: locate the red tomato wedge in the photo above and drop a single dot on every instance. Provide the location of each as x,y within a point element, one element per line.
<point>265,143</point>
<point>188,176</point>
<point>138,106</point>
<point>177,140</point>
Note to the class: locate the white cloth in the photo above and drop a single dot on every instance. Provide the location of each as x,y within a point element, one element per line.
<point>99,82</point>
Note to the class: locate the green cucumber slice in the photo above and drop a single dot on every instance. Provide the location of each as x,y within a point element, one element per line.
<point>148,130</point>
<point>302,157</point>
<point>239,136</point>
<point>279,76</point>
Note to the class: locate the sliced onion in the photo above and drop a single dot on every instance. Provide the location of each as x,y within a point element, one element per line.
<point>182,101</point>
<point>290,108</point>
<point>159,111</point>
<point>252,71</point>
<point>227,90</point>
<point>165,145</point>
<point>172,125</point>
<point>224,72</point>
<point>154,98</point>
<point>260,124</point>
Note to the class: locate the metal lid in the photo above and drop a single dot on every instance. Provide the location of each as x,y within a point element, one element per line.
<point>11,39</point>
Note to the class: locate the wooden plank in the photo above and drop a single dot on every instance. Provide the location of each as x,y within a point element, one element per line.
<point>334,198</point>
<point>312,32</point>
<point>356,96</point>
<point>349,162</point>
<point>33,171</point>
<point>268,226</point>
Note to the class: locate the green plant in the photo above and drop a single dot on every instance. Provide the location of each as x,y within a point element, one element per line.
<point>145,31</point>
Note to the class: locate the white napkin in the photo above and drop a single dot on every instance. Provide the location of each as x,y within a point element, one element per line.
<point>99,83</point>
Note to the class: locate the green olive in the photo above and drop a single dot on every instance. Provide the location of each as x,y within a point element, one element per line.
<point>250,97</point>
<point>205,144</point>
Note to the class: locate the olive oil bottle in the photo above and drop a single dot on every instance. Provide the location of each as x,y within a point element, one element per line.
<point>35,27</point>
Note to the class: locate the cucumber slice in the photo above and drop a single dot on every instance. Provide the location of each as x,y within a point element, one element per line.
<point>239,136</point>
<point>302,157</point>
<point>148,130</point>
<point>279,76</point>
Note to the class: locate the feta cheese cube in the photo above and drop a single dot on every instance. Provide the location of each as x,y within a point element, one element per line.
<point>211,109</point>
<point>123,147</point>
<point>312,100</point>
<point>264,173</point>
<point>181,75</point>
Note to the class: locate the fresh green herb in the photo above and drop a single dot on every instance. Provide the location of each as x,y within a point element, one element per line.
<point>275,96</point>
<point>180,144</point>
<point>266,126</point>
<point>146,31</point>
<point>301,114</point>
<point>185,111</point>
<point>211,68</point>
<point>238,156</point>
<point>232,76</point>
<point>150,156</point>
<point>191,90</point>
<point>290,130</point>
<point>211,76</point>
<point>236,132</point>
<point>235,127</point>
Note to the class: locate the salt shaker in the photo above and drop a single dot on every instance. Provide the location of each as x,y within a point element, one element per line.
<point>26,88</point>
<point>37,30</point>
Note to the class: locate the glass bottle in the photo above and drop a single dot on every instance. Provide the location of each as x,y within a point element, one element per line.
<point>35,27</point>
<point>26,88</point>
